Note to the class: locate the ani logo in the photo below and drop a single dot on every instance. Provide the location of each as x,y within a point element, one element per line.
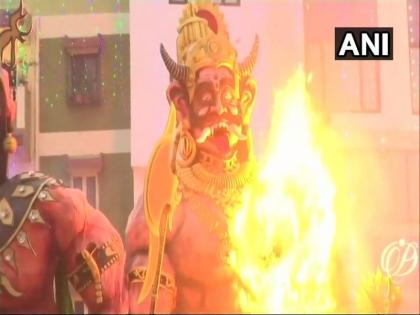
<point>400,258</point>
<point>370,43</point>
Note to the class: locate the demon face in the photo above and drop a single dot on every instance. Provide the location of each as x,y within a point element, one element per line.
<point>217,112</point>
<point>211,90</point>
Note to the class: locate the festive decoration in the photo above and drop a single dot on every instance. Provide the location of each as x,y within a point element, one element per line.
<point>413,34</point>
<point>112,78</point>
<point>22,64</point>
<point>10,144</point>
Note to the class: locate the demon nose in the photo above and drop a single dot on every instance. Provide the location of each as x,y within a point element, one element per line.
<point>220,109</point>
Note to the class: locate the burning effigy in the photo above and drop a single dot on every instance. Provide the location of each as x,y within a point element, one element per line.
<point>218,231</point>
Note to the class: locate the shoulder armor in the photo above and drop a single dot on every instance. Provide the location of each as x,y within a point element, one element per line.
<point>17,197</point>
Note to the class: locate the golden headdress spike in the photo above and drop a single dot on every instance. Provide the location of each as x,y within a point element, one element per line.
<point>203,40</point>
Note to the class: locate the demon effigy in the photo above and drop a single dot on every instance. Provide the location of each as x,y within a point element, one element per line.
<point>214,233</point>
<point>177,238</point>
<point>49,234</point>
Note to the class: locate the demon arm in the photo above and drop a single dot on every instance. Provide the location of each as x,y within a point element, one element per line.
<point>137,256</point>
<point>92,251</point>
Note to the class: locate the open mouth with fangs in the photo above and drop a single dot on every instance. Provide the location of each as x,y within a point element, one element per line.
<point>219,137</point>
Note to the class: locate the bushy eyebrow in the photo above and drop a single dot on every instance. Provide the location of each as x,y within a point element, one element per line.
<point>204,84</point>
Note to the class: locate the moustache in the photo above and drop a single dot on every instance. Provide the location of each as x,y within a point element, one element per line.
<point>213,118</point>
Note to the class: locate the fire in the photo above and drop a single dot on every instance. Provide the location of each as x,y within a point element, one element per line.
<point>283,236</point>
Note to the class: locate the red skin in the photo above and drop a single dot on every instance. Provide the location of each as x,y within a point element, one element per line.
<point>137,246</point>
<point>194,253</point>
<point>74,224</point>
<point>196,248</point>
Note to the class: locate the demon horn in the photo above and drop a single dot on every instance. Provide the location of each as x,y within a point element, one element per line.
<point>246,67</point>
<point>176,71</point>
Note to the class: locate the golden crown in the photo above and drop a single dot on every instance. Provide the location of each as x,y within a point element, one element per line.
<point>203,40</point>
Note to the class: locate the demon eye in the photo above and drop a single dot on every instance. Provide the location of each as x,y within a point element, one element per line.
<point>203,111</point>
<point>204,99</point>
<point>207,98</point>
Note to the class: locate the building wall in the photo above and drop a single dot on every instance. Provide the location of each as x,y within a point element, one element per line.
<point>55,166</point>
<point>55,131</point>
<point>61,7</point>
<point>56,114</point>
<point>115,184</point>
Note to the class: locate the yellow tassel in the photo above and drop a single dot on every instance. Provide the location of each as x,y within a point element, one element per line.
<point>10,144</point>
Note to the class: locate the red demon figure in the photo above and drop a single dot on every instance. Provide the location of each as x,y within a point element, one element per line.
<point>49,234</point>
<point>177,238</point>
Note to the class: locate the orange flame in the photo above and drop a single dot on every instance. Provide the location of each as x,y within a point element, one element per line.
<point>282,237</point>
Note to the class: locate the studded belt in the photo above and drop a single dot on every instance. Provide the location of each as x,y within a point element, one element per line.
<point>139,275</point>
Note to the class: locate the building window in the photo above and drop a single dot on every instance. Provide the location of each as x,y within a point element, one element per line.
<point>84,79</point>
<point>414,46</point>
<point>89,186</point>
<point>339,86</point>
<point>84,176</point>
<point>84,70</point>
<point>221,2</point>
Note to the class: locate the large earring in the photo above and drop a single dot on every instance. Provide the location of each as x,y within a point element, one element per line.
<point>187,149</point>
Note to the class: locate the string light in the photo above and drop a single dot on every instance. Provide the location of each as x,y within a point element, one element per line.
<point>114,85</point>
<point>413,35</point>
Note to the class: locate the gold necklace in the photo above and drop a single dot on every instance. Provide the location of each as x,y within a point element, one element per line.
<point>223,187</point>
